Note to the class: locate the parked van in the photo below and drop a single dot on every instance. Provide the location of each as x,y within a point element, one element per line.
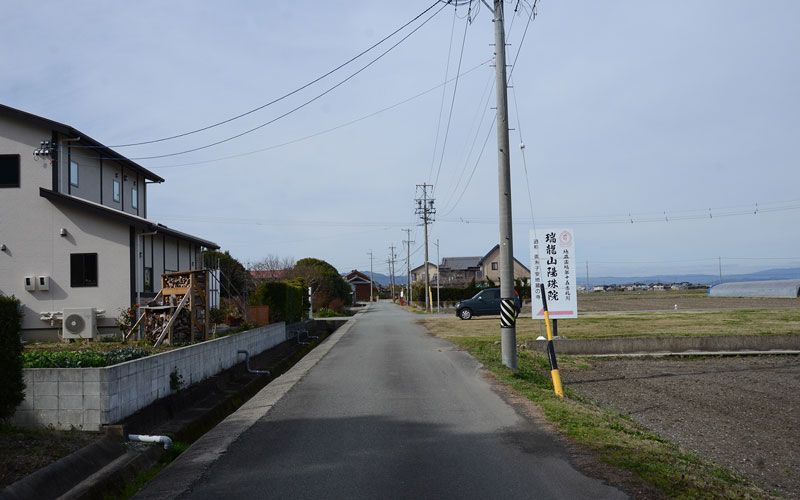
<point>485,303</point>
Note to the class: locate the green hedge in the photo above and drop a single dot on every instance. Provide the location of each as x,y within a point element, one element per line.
<point>12,388</point>
<point>284,300</point>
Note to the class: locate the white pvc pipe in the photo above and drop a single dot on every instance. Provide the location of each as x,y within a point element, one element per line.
<point>152,439</point>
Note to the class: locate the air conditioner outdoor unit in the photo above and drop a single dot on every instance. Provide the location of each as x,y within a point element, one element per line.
<point>79,323</point>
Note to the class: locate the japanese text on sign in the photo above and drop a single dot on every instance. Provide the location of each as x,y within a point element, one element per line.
<point>552,258</point>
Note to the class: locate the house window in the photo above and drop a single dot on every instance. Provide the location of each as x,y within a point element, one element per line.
<point>73,173</point>
<point>134,197</point>
<point>83,269</point>
<point>9,171</point>
<point>148,279</point>
<point>117,190</point>
<point>494,266</point>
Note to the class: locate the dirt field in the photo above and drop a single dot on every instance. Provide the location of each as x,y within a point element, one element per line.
<point>741,412</point>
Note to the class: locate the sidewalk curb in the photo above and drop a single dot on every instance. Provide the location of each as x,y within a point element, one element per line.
<point>191,465</point>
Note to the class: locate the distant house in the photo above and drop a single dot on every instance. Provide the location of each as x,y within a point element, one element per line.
<point>490,266</point>
<point>418,273</point>
<point>361,285</point>
<point>74,232</point>
<point>460,271</point>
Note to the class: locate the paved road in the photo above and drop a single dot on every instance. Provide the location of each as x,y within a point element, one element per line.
<point>391,412</point>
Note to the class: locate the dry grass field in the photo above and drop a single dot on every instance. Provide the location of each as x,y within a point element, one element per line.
<point>643,314</point>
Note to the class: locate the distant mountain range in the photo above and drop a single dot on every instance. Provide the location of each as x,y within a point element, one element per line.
<point>701,279</point>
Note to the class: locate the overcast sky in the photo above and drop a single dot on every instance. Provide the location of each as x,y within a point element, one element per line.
<point>683,117</point>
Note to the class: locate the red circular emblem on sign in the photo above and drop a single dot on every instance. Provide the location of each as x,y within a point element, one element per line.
<point>565,238</point>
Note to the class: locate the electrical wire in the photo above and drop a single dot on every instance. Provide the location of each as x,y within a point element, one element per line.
<point>331,89</point>
<point>322,132</point>
<point>452,105</point>
<point>652,217</point>
<point>444,93</point>
<point>289,94</point>
<point>519,49</point>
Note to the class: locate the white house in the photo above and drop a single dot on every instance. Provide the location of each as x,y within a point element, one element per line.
<point>74,231</point>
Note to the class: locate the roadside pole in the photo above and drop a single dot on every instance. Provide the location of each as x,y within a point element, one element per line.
<point>551,351</point>
<point>438,308</point>
<point>508,328</point>
<point>370,275</point>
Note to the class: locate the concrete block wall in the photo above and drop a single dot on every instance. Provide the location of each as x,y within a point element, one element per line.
<point>88,398</point>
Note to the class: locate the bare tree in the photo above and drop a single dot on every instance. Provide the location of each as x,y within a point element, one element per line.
<point>271,263</point>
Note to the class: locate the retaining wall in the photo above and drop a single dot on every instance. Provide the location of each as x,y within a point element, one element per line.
<point>671,344</point>
<point>88,398</point>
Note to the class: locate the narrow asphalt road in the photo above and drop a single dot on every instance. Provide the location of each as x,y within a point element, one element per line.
<point>391,412</point>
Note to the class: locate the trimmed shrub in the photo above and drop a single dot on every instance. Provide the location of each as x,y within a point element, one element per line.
<point>284,300</point>
<point>12,390</point>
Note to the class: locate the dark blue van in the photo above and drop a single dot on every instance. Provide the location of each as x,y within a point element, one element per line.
<point>484,303</point>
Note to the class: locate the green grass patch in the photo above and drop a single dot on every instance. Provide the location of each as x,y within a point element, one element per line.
<point>615,439</point>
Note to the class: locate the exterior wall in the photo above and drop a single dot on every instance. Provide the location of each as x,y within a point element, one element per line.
<point>88,398</point>
<point>418,273</point>
<point>111,172</point>
<point>89,175</point>
<point>460,277</point>
<point>36,248</point>
<point>171,260</point>
<point>494,274</point>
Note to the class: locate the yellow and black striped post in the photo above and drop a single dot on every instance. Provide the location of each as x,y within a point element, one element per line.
<point>551,351</point>
<point>508,313</point>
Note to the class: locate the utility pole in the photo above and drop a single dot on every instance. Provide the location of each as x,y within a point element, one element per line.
<point>588,287</point>
<point>392,256</point>
<point>426,212</point>
<point>508,328</point>
<point>408,243</point>
<point>438,263</point>
<point>370,275</point>
<point>720,269</point>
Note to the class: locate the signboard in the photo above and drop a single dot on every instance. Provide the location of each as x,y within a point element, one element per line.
<point>553,264</point>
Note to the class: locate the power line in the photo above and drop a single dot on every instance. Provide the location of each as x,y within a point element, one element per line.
<point>290,111</point>
<point>452,103</point>
<point>519,49</point>
<point>444,93</point>
<point>653,217</point>
<point>289,94</point>
<point>322,132</point>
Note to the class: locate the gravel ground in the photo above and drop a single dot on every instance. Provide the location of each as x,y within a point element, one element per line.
<point>741,412</point>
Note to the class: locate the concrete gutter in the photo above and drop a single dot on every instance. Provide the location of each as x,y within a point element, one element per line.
<point>191,465</point>
<point>698,346</point>
<point>62,475</point>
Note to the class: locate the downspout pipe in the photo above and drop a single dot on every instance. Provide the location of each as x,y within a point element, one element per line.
<point>247,364</point>
<point>143,438</point>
